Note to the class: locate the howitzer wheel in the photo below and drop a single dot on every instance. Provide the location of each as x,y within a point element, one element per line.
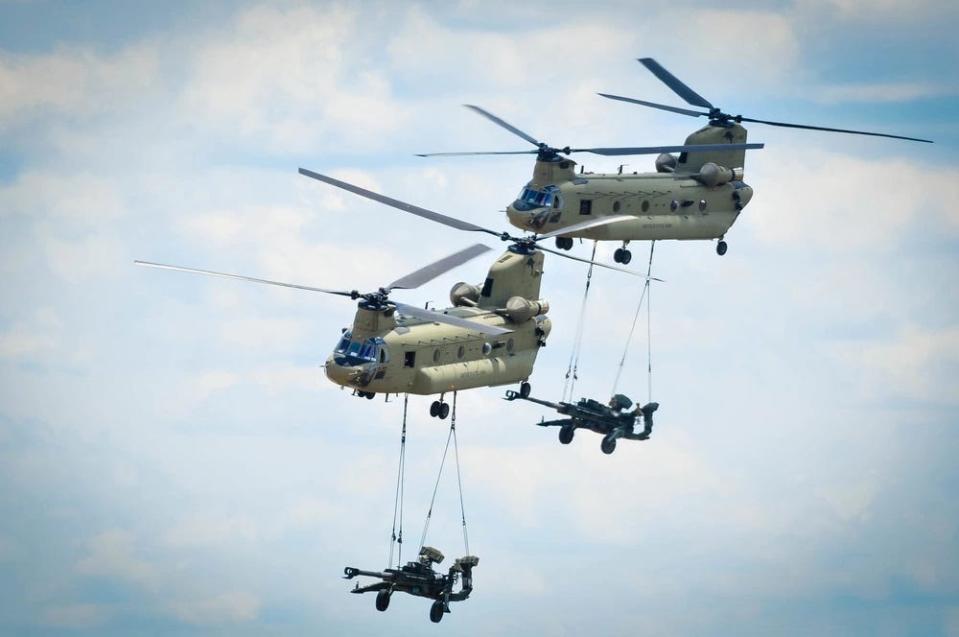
<point>436,611</point>
<point>382,600</point>
<point>608,445</point>
<point>525,389</point>
<point>435,408</point>
<point>444,411</point>
<point>566,434</point>
<point>721,248</point>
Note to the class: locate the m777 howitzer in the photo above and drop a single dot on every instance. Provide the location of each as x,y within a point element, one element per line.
<point>612,420</point>
<point>418,578</point>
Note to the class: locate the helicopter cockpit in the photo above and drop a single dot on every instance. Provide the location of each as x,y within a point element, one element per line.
<point>350,352</point>
<point>530,198</point>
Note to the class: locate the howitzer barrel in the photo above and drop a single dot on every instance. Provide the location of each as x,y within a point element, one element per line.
<point>349,573</point>
<point>514,395</point>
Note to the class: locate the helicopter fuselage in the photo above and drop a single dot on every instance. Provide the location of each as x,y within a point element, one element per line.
<point>695,196</point>
<point>663,206</point>
<point>420,357</point>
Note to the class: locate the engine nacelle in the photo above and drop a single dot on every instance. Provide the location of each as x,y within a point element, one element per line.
<point>715,175</point>
<point>666,163</point>
<point>464,294</point>
<point>520,310</point>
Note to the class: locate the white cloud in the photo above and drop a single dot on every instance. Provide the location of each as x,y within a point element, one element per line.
<point>74,81</point>
<point>888,92</point>
<point>75,615</point>
<point>233,607</point>
<point>84,200</point>
<point>35,337</point>
<point>917,363</point>
<point>283,78</point>
<point>113,553</point>
<point>846,204</point>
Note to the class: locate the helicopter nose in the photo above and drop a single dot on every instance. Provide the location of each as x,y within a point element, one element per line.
<point>523,218</point>
<point>339,374</point>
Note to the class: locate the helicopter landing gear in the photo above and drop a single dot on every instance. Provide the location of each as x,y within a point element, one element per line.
<point>608,445</point>
<point>439,409</point>
<point>564,243</point>
<point>721,247</point>
<point>382,600</point>
<point>622,255</point>
<point>436,611</point>
<point>525,389</point>
<point>366,394</point>
<point>566,433</point>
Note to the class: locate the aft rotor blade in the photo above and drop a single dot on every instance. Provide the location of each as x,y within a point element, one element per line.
<point>655,150</point>
<point>832,130</point>
<point>673,109</point>
<point>673,82</point>
<point>452,222</point>
<point>585,225</point>
<point>479,152</point>
<point>244,278</point>
<point>435,269</point>
<point>602,265</point>
<point>439,317</point>
<point>496,120</point>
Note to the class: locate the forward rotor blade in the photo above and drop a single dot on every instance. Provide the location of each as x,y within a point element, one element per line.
<point>439,317</point>
<point>532,140</point>
<point>602,265</point>
<point>584,225</point>
<point>401,205</point>
<point>435,269</point>
<point>673,82</point>
<point>833,130</point>
<point>655,150</point>
<point>480,152</point>
<point>243,278</point>
<point>673,109</point>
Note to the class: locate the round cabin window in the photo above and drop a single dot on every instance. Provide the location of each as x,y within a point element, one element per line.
<point>509,345</point>
<point>645,206</point>
<point>702,205</point>
<point>436,355</point>
<point>615,206</point>
<point>674,205</point>
<point>461,352</point>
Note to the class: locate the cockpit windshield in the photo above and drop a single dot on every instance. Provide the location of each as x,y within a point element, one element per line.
<point>355,352</point>
<point>530,198</point>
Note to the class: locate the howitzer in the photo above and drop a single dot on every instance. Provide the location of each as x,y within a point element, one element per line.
<point>418,578</point>
<point>612,420</point>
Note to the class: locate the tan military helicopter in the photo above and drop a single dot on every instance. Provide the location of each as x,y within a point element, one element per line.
<point>490,336</point>
<point>697,195</point>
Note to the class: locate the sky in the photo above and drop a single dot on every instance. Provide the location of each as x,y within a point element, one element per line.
<point>173,460</point>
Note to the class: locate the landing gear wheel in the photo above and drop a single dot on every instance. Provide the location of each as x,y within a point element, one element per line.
<point>626,256</point>
<point>435,409</point>
<point>444,411</point>
<point>721,248</point>
<point>566,434</point>
<point>564,243</point>
<point>370,395</point>
<point>382,600</point>
<point>436,611</point>
<point>608,445</point>
<point>525,389</point>
<point>618,255</point>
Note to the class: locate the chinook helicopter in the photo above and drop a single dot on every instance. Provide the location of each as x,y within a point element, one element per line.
<point>489,337</point>
<point>695,196</point>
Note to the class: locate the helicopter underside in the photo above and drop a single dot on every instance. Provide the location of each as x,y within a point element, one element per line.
<point>693,226</point>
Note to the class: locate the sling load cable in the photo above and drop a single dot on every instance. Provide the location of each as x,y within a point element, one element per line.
<point>573,368</point>
<point>396,539</point>
<point>643,297</point>
<point>429,513</point>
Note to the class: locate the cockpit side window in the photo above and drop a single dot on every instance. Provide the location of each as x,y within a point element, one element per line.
<point>530,198</point>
